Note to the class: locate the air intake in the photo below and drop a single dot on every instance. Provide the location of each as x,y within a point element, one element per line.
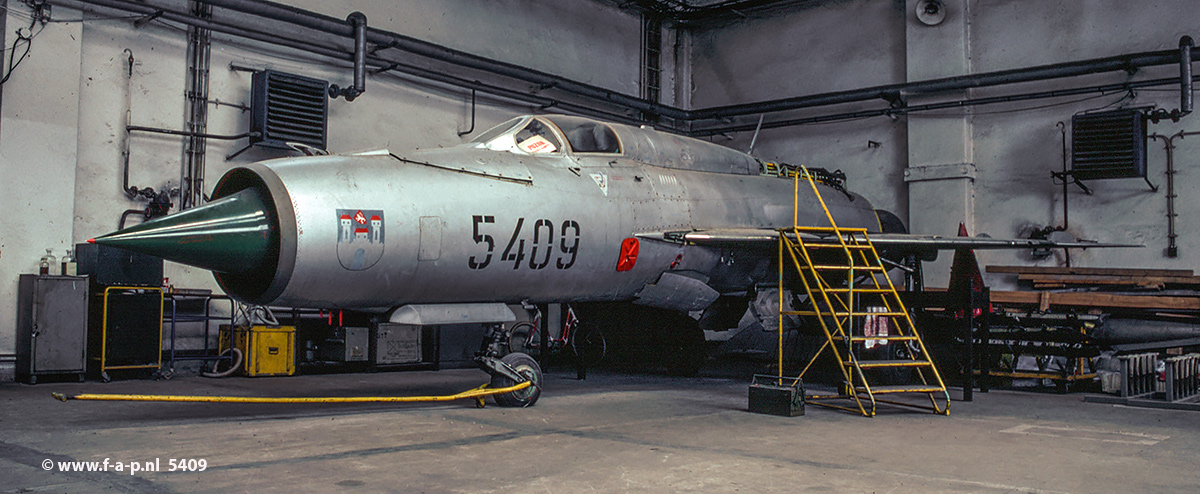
<point>1108,144</point>
<point>287,108</point>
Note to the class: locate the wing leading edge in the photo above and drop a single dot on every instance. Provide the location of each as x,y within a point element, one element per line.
<point>761,237</point>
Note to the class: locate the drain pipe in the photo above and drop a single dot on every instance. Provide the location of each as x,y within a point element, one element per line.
<point>1169,143</point>
<point>1185,85</point>
<point>358,21</point>
<point>1185,75</point>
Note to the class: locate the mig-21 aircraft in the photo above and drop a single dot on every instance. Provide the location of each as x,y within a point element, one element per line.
<point>550,209</point>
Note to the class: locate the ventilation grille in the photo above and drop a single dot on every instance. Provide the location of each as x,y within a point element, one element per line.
<point>288,108</point>
<point>1108,145</point>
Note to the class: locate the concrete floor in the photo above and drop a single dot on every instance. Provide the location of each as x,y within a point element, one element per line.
<point>612,433</point>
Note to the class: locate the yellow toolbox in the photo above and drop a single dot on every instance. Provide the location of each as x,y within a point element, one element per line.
<point>268,350</point>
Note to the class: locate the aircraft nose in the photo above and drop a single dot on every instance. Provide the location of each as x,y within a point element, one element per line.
<point>232,234</point>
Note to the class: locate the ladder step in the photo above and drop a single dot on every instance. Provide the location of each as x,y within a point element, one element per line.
<point>888,338</point>
<point>838,246</point>
<point>913,388</point>
<point>874,364</point>
<point>831,267</point>
<point>859,290</point>
<point>841,314</point>
<point>819,229</point>
<point>830,229</point>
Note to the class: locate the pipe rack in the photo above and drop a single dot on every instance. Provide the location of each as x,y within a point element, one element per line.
<point>275,23</point>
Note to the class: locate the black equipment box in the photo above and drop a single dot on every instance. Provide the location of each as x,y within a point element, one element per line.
<point>111,266</point>
<point>125,329</point>
<point>774,395</point>
<point>348,344</point>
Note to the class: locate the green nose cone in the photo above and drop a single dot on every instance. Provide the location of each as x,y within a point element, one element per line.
<point>233,234</point>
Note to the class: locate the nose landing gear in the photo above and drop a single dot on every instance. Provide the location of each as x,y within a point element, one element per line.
<point>509,370</point>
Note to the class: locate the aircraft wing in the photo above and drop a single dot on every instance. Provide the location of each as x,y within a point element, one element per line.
<point>749,237</point>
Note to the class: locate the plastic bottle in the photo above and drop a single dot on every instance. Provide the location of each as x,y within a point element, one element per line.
<point>68,264</point>
<point>47,261</point>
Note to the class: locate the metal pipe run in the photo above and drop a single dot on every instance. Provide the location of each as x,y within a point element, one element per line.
<point>1169,142</point>
<point>153,130</point>
<point>382,61</point>
<point>360,52</point>
<point>891,92</point>
<point>1108,88</point>
<point>358,21</point>
<point>685,13</point>
<point>189,20</point>
<point>191,173</point>
<point>601,99</point>
<point>1185,75</point>
<point>386,40</point>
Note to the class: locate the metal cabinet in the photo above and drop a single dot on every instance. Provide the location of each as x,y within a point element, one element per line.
<point>52,321</point>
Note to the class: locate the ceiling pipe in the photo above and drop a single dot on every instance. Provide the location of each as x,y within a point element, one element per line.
<point>381,62</point>
<point>384,41</point>
<point>389,40</point>
<point>683,13</point>
<point>1127,63</point>
<point>962,103</point>
<point>220,27</point>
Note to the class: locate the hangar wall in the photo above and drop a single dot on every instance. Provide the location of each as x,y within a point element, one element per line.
<point>846,45</point>
<point>861,43</point>
<point>62,109</point>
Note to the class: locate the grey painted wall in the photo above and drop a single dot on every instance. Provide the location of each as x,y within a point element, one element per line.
<point>39,141</point>
<point>861,43</point>
<point>846,45</point>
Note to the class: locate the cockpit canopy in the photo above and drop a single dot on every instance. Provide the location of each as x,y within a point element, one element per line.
<point>561,135</point>
<point>545,134</point>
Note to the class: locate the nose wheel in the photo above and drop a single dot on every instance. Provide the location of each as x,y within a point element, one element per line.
<point>510,370</point>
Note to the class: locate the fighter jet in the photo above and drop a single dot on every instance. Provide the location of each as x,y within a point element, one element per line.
<point>537,210</point>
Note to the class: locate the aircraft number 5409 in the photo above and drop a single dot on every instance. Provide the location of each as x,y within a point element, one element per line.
<point>542,246</point>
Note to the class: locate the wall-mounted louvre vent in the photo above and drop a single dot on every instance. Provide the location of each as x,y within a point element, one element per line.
<point>1109,144</point>
<point>288,108</point>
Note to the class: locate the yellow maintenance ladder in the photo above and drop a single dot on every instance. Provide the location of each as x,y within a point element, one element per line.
<point>848,291</point>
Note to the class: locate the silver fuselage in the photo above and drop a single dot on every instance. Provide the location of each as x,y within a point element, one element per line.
<point>470,224</point>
